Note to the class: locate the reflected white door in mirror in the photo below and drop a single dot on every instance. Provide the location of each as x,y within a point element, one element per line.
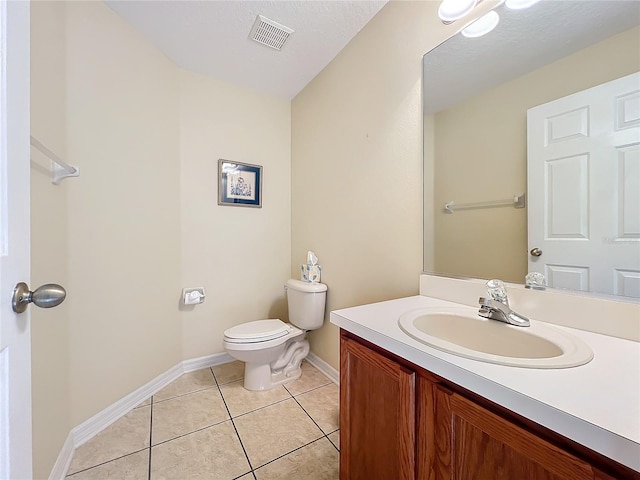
<point>583,158</point>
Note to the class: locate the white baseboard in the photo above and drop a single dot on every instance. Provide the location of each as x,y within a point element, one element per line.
<point>91,427</point>
<point>63,462</point>
<point>324,367</point>
<point>206,361</point>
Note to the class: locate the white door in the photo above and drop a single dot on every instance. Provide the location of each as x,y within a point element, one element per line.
<point>583,181</point>
<point>15,338</point>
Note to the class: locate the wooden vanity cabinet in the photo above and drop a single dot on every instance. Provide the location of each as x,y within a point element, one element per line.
<point>398,421</point>
<point>377,415</point>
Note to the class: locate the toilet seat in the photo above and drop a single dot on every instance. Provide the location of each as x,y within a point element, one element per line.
<point>257,331</point>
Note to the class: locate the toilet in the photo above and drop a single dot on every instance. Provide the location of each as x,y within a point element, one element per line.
<point>272,349</point>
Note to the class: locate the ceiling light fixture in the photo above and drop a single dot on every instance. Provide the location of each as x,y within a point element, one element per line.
<point>520,4</point>
<point>452,10</point>
<point>482,26</point>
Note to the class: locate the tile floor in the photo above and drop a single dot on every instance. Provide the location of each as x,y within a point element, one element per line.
<point>205,425</point>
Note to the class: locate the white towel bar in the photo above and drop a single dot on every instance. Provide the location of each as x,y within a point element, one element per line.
<point>61,169</point>
<point>518,201</point>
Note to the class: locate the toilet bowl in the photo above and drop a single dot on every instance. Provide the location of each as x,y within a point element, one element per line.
<point>272,349</point>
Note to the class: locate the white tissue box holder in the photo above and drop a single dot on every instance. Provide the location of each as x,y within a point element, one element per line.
<point>310,273</point>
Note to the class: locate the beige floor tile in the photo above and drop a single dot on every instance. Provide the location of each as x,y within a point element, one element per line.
<point>187,413</point>
<point>127,435</point>
<point>317,461</point>
<point>240,400</point>
<point>274,431</point>
<point>323,405</point>
<point>229,372</point>
<point>212,453</point>
<point>335,438</point>
<point>131,467</point>
<point>186,383</point>
<point>311,378</point>
<point>248,476</point>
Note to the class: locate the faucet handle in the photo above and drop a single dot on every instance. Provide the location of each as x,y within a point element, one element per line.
<point>497,291</point>
<point>535,280</point>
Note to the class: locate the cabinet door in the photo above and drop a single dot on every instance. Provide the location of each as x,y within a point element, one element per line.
<point>474,443</point>
<point>377,415</point>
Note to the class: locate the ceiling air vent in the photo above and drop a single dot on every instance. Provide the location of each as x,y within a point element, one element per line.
<point>269,33</point>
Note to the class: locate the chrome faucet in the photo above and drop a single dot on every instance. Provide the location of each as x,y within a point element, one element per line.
<point>497,307</point>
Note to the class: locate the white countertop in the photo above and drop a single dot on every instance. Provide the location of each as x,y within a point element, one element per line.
<point>596,405</point>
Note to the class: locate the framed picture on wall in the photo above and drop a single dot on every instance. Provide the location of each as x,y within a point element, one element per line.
<point>239,184</point>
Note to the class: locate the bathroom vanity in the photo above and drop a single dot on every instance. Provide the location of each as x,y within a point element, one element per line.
<point>411,411</point>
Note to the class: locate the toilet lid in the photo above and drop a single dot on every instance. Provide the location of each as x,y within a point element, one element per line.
<point>259,330</point>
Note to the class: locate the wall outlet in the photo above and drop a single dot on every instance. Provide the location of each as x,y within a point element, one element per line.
<point>193,296</point>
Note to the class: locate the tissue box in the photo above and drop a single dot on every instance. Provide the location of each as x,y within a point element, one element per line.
<point>310,273</point>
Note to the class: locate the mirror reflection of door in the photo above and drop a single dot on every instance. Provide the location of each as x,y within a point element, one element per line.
<point>583,161</point>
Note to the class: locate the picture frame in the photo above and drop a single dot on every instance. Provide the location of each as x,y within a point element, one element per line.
<point>239,184</point>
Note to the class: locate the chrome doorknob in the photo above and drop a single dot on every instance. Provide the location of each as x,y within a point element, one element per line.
<point>45,296</point>
<point>535,252</point>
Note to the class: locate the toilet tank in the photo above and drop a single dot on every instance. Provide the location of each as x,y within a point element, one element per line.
<point>306,303</point>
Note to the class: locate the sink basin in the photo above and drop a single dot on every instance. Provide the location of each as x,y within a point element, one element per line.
<point>460,331</point>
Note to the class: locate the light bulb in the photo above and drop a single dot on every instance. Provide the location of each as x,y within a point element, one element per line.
<point>482,26</point>
<point>452,10</point>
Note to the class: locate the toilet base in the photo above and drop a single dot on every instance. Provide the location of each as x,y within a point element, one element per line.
<point>259,376</point>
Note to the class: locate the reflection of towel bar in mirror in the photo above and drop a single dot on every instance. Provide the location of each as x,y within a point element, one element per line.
<point>518,201</point>
<point>61,169</point>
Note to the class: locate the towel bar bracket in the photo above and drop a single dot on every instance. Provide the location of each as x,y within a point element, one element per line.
<point>59,173</point>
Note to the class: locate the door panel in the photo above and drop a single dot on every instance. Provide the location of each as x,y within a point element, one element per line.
<point>567,198</point>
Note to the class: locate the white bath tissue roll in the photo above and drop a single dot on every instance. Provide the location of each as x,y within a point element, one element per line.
<point>310,273</point>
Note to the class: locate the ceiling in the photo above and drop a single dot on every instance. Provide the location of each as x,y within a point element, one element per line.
<point>212,37</point>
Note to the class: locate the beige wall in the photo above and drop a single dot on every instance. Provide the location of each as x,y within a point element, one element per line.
<point>142,220</point>
<point>357,164</point>
<point>241,255</point>
<point>493,159</point>
<point>124,210</point>
<point>49,223</point>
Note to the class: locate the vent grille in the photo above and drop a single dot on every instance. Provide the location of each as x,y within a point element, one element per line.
<point>269,33</point>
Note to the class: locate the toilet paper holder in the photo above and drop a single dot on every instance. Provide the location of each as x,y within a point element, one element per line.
<point>193,296</point>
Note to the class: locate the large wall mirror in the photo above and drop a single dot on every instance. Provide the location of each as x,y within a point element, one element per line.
<point>509,160</point>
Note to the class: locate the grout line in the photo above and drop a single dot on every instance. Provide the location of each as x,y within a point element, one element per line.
<point>311,389</point>
<point>193,431</point>
<point>240,476</point>
<point>309,415</point>
<point>289,453</point>
<point>261,408</point>
<point>106,461</point>
<point>334,445</point>
<point>326,435</point>
<point>234,424</point>
<point>150,438</point>
<point>184,394</point>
